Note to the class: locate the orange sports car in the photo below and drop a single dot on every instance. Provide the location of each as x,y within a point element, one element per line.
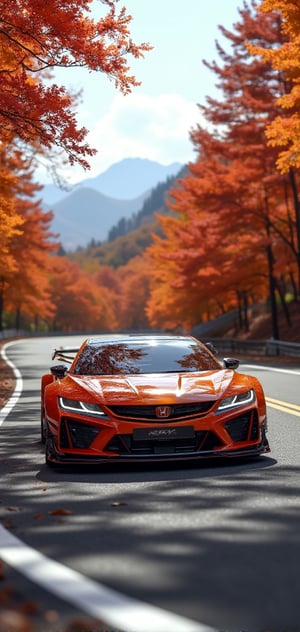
<point>138,397</point>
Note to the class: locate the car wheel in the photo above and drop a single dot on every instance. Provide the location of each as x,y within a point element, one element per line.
<point>49,451</point>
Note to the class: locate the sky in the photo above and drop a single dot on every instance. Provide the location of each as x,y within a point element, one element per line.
<point>155,120</point>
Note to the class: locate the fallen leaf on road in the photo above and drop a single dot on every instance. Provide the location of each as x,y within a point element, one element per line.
<point>51,616</point>
<point>61,512</point>
<point>12,621</point>
<point>29,607</point>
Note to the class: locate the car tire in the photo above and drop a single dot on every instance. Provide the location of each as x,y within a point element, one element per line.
<point>49,451</point>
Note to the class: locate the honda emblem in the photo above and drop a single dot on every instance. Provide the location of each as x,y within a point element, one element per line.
<point>163,412</point>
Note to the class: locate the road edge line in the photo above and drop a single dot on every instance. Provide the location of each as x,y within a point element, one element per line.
<point>4,412</point>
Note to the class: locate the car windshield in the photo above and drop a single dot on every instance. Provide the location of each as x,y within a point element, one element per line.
<point>155,356</point>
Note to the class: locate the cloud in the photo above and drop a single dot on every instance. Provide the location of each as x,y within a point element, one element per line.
<point>136,126</point>
<point>144,126</point>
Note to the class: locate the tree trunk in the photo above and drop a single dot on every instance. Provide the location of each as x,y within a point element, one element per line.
<point>272,293</point>
<point>297,221</point>
<point>240,314</point>
<point>245,311</point>
<point>283,303</point>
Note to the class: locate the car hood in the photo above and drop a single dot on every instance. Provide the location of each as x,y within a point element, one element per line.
<point>155,387</point>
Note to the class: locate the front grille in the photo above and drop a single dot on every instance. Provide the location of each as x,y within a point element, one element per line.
<point>254,436</point>
<point>178,411</point>
<point>243,428</point>
<point>64,437</point>
<point>202,441</point>
<point>77,435</point>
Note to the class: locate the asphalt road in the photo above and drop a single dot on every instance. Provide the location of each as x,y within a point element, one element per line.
<point>214,543</point>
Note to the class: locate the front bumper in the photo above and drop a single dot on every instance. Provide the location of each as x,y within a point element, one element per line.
<point>56,458</point>
<point>85,440</point>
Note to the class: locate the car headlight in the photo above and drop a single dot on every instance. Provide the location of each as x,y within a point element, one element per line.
<point>81,407</point>
<point>242,399</point>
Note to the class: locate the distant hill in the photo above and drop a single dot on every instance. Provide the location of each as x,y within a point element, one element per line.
<point>155,202</point>
<point>95,205</point>
<point>125,180</point>
<point>131,177</point>
<point>130,237</point>
<point>87,215</point>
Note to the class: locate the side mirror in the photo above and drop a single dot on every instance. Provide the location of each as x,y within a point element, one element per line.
<point>231,363</point>
<point>211,347</point>
<point>59,370</point>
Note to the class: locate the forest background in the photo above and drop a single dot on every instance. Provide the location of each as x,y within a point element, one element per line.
<point>224,235</point>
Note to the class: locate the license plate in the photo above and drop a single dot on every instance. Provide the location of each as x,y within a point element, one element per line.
<point>167,433</point>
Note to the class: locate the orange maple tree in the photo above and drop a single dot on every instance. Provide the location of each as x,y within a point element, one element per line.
<point>37,117</point>
<point>10,220</point>
<point>134,278</point>
<point>24,281</point>
<point>284,130</point>
<point>80,303</point>
<point>232,206</point>
<point>204,264</point>
<point>37,37</point>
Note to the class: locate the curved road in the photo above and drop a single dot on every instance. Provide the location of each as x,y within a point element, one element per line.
<point>155,548</point>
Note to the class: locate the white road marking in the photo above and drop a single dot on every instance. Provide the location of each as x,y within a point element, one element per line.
<point>111,607</point>
<point>270,368</point>
<point>18,387</point>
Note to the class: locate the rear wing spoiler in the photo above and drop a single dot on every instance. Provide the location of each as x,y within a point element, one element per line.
<point>65,354</point>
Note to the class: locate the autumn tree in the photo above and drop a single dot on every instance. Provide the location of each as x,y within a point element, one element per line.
<point>37,117</point>
<point>284,130</point>
<point>202,268</point>
<point>37,37</point>
<point>135,280</point>
<point>27,288</point>
<point>109,286</point>
<point>10,221</point>
<point>250,89</point>
<point>24,279</point>
<point>81,304</point>
<point>231,207</point>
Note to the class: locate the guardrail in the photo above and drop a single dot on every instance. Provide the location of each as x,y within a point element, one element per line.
<point>225,345</point>
<point>257,347</point>
<point>10,333</point>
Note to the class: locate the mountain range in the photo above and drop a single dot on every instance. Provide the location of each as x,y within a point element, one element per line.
<point>95,205</point>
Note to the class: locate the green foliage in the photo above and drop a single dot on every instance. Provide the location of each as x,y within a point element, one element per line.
<point>156,202</point>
